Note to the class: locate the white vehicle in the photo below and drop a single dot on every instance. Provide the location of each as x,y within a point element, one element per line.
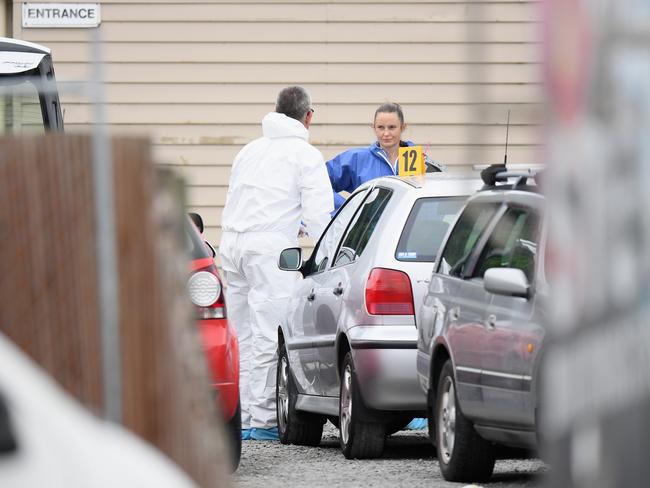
<point>48,439</point>
<point>29,101</point>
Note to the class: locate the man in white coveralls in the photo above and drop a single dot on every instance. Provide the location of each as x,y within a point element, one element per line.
<point>277,181</point>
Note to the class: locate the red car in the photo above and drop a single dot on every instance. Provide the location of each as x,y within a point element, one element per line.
<point>218,336</point>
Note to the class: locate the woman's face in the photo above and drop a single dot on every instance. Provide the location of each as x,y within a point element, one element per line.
<point>388,129</point>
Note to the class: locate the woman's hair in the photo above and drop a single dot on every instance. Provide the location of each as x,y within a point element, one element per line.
<point>294,102</point>
<point>391,108</point>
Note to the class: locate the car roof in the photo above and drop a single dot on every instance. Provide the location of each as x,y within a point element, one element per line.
<point>16,45</point>
<point>18,56</point>
<point>431,184</point>
<point>509,195</point>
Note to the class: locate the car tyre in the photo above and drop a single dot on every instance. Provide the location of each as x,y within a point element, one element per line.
<point>294,426</point>
<point>359,437</point>
<point>233,428</point>
<point>464,456</point>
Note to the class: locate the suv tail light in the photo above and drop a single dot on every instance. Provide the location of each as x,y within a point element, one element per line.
<point>205,291</point>
<point>388,292</point>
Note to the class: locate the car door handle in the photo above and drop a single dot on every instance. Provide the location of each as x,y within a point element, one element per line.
<point>491,322</point>
<point>311,296</point>
<point>338,290</point>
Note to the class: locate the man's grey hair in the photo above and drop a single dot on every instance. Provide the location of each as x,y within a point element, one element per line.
<point>294,102</point>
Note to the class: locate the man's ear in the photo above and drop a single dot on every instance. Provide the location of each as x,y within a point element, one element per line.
<point>308,118</point>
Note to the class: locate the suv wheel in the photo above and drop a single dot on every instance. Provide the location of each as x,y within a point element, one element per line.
<point>360,439</point>
<point>463,454</point>
<point>294,426</point>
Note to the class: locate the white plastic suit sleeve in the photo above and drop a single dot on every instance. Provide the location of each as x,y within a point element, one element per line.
<point>317,198</point>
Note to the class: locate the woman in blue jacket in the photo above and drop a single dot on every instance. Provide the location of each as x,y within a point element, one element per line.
<point>351,168</point>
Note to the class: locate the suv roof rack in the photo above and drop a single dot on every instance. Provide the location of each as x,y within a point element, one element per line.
<point>498,173</point>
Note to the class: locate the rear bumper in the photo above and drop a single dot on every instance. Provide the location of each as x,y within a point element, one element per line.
<point>384,359</point>
<point>222,353</point>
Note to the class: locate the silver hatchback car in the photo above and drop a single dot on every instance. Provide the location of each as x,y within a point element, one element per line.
<point>348,349</point>
<point>481,329</point>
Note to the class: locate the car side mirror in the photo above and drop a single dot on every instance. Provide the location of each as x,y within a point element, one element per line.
<point>290,259</point>
<point>198,221</point>
<point>506,281</point>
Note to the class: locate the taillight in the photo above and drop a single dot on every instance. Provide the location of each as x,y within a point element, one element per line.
<point>388,292</point>
<point>205,291</point>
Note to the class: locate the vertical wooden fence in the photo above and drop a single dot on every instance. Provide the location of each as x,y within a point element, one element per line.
<point>49,291</point>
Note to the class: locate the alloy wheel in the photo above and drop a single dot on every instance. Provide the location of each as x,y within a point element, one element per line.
<point>447,420</point>
<point>283,394</point>
<point>346,404</point>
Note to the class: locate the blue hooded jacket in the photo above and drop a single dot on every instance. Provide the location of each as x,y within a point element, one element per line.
<point>352,168</point>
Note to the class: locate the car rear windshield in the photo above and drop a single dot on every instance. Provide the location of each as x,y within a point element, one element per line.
<point>20,107</point>
<point>426,227</point>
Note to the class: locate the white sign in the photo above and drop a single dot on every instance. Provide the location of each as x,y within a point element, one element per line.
<point>48,15</point>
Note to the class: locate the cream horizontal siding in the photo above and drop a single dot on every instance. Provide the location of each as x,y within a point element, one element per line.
<point>322,135</point>
<point>333,114</point>
<point>317,52</point>
<point>3,19</point>
<point>205,162</point>
<point>309,72</point>
<point>305,30</point>
<point>197,76</point>
<point>296,2</point>
<point>224,94</point>
<point>314,12</point>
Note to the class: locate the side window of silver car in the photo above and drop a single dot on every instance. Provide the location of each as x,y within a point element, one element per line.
<point>326,247</point>
<point>363,226</point>
<point>512,244</point>
<point>426,227</point>
<point>469,227</point>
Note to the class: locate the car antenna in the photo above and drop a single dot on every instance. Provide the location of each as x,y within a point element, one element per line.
<point>505,156</point>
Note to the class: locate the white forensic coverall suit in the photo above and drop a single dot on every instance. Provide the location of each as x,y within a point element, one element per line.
<point>276,181</point>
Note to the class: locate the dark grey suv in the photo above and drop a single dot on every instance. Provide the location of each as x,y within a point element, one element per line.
<point>480,328</point>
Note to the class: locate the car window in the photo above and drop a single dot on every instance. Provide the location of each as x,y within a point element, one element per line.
<point>425,228</point>
<point>20,108</point>
<point>512,244</point>
<point>464,236</point>
<point>363,226</point>
<point>326,247</point>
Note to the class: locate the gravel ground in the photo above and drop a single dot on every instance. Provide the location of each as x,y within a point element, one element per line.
<point>408,460</point>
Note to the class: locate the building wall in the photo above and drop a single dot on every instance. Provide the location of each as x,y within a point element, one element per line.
<point>4,8</point>
<point>198,76</point>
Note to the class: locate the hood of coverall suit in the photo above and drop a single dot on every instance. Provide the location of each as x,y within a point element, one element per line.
<point>279,125</point>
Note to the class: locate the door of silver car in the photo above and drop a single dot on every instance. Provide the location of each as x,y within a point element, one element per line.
<point>334,292</point>
<point>460,303</point>
<point>511,339</point>
<point>308,334</point>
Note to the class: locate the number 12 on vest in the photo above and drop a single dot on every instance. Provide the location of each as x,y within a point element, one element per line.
<point>410,161</point>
